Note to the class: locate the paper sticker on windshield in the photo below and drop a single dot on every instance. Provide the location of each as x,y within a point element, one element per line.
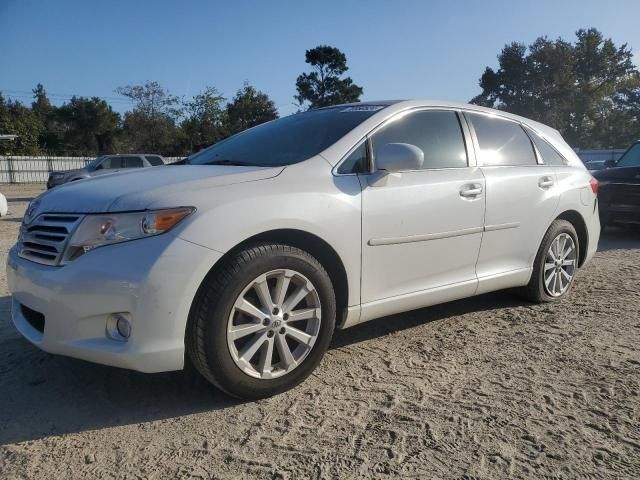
<point>363,108</point>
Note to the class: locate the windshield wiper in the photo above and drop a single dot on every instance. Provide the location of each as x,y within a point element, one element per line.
<point>234,163</point>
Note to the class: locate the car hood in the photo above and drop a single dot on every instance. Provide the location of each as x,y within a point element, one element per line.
<point>141,188</point>
<point>630,175</point>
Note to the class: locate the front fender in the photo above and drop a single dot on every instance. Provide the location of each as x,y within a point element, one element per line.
<point>304,197</point>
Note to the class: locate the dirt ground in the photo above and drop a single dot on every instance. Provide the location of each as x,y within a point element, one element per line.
<point>489,387</point>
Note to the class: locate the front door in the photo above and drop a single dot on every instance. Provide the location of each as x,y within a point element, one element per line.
<point>422,229</point>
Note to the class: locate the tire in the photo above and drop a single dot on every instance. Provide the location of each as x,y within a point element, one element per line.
<point>215,312</point>
<point>536,291</point>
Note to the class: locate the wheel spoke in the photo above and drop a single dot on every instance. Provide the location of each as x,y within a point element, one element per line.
<point>566,275</point>
<point>262,289</point>
<point>559,286</point>
<point>568,263</point>
<point>252,347</point>
<point>249,308</point>
<point>298,335</point>
<point>297,296</point>
<point>303,314</point>
<point>548,266</point>
<point>266,357</point>
<point>285,352</point>
<point>282,286</point>
<point>240,331</point>
<point>567,251</point>
<point>548,279</point>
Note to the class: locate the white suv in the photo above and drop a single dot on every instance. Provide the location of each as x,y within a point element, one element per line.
<point>250,253</point>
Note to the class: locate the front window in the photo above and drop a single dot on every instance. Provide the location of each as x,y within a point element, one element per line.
<point>287,140</point>
<point>94,163</point>
<point>631,157</point>
<point>437,133</point>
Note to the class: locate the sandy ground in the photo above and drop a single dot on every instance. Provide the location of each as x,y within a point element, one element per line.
<point>489,387</point>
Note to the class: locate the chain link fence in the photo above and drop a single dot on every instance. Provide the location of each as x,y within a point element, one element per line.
<point>36,169</point>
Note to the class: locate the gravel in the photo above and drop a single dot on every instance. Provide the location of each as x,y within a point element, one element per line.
<point>488,387</point>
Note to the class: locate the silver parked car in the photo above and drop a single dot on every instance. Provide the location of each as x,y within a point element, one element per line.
<point>246,256</point>
<point>105,164</point>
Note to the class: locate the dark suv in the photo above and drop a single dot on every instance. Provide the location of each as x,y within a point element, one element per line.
<point>619,193</point>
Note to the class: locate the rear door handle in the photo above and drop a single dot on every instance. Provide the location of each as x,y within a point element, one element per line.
<point>470,190</point>
<point>545,182</point>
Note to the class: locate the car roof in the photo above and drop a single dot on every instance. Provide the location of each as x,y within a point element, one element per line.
<point>392,107</point>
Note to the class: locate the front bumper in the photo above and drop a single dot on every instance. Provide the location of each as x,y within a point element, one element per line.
<point>153,280</point>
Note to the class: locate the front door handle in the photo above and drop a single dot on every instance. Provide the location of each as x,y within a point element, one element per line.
<point>545,182</point>
<point>470,190</point>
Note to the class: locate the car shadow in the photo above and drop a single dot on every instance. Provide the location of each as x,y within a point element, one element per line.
<point>619,238</point>
<point>44,395</point>
<point>19,199</point>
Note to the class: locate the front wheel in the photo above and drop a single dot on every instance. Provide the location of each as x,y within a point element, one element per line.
<point>262,322</point>
<point>556,264</point>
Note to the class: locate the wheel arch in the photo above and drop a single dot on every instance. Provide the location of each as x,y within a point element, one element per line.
<point>309,242</point>
<point>578,222</point>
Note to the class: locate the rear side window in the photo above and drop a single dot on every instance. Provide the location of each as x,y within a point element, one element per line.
<point>502,142</point>
<point>631,157</point>
<point>356,162</point>
<point>550,156</point>
<point>154,160</point>
<point>437,133</point>
<point>132,162</point>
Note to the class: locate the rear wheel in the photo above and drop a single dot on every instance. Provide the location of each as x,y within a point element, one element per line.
<point>556,264</point>
<point>261,323</point>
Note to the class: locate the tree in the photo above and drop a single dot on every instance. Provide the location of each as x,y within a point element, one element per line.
<point>205,121</point>
<point>250,107</point>
<point>19,120</point>
<point>324,85</point>
<point>151,126</point>
<point>588,90</point>
<point>90,126</point>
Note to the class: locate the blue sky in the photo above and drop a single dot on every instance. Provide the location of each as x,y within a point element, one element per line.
<point>395,49</point>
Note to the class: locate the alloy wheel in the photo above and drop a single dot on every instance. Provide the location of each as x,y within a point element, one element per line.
<point>274,324</point>
<point>560,265</point>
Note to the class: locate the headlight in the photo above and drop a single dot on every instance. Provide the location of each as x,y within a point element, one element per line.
<point>105,229</point>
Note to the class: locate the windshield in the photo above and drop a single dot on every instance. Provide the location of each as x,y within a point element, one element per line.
<point>288,140</point>
<point>93,163</point>
<point>631,158</point>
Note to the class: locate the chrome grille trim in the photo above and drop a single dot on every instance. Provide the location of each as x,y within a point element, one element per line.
<point>44,239</point>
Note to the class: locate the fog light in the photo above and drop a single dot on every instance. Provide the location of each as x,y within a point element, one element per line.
<point>123,326</point>
<point>118,327</point>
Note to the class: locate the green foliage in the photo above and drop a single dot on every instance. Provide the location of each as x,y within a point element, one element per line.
<point>19,120</point>
<point>151,126</point>
<point>588,90</point>
<point>90,125</point>
<point>249,108</point>
<point>204,124</point>
<point>324,85</point>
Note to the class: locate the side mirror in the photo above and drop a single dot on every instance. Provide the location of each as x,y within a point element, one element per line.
<point>396,157</point>
<point>609,163</point>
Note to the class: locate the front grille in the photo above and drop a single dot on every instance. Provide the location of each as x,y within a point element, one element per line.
<point>35,319</point>
<point>44,240</point>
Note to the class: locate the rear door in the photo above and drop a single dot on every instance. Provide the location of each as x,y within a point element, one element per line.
<point>521,195</point>
<point>422,228</point>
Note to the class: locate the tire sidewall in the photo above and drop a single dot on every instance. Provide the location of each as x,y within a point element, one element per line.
<point>220,361</point>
